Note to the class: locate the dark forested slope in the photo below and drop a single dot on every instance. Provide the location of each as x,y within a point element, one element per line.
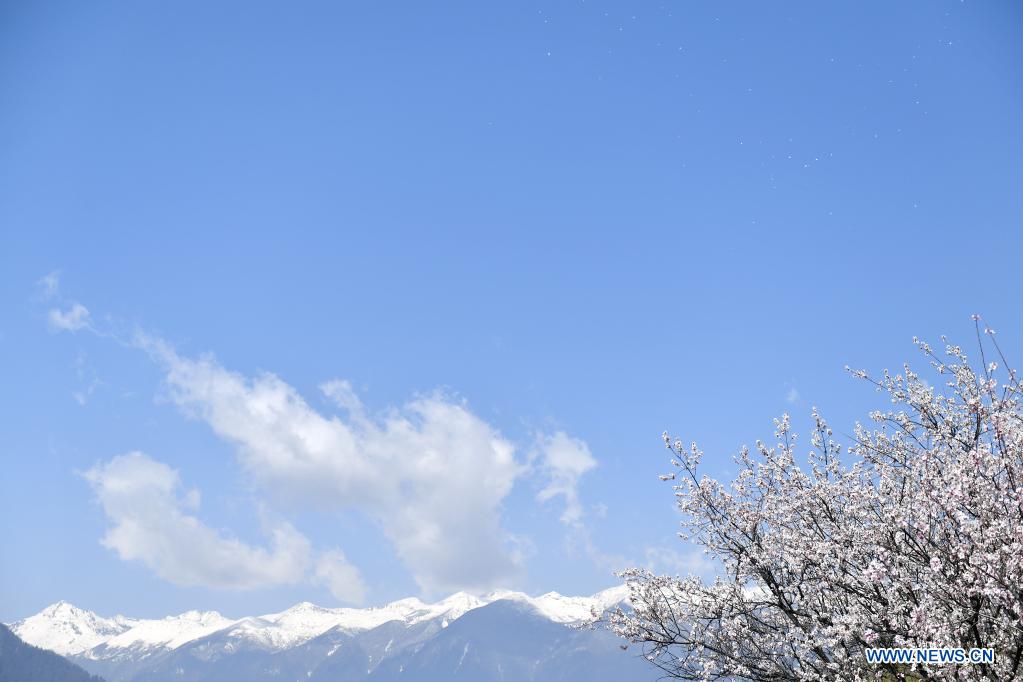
<point>20,662</point>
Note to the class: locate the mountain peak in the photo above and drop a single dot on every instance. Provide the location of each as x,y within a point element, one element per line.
<point>66,629</point>
<point>407,602</point>
<point>198,617</point>
<point>61,607</point>
<point>459,598</point>
<point>305,607</point>
<point>612,595</point>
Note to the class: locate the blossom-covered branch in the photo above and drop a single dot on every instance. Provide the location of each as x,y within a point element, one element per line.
<point>912,536</point>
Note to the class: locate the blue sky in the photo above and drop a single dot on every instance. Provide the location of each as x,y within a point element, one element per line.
<point>397,299</point>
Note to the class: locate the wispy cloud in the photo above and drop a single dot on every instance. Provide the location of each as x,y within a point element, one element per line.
<point>71,316</point>
<point>88,382</point>
<point>48,285</point>
<point>792,395</point>
<point>72,319</point>
<point>563,460</point>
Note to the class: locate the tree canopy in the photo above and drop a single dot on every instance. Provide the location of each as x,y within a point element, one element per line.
<point>909,536</point>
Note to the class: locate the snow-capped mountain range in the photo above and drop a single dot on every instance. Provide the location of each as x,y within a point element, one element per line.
<point>68,630</point>
<point>298,642</point>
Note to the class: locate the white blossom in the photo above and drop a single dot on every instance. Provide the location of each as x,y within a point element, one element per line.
<point>912,536</point>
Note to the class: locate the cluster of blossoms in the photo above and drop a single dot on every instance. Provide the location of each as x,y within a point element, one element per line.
<point>910,537</point>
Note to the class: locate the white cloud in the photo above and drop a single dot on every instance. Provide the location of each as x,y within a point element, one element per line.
<point>74,318</point>
<point>87,380</point>
<point>792,396</point>
<point>431,473</point>
<point>341,392</point>
<point>49,285</point>
<point>82,397</point>
<point>564,460</point>
<point>340,577</point>
<point>151,524</point>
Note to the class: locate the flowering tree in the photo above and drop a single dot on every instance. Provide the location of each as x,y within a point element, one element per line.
<point>910,537</point>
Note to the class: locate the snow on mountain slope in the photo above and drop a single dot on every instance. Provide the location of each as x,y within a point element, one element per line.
<point>451,608</point>
<point>68,630</point>
<point>286,629</point>
<point>562,609</point>
<point>168,633</point>
<point>305,621</point>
